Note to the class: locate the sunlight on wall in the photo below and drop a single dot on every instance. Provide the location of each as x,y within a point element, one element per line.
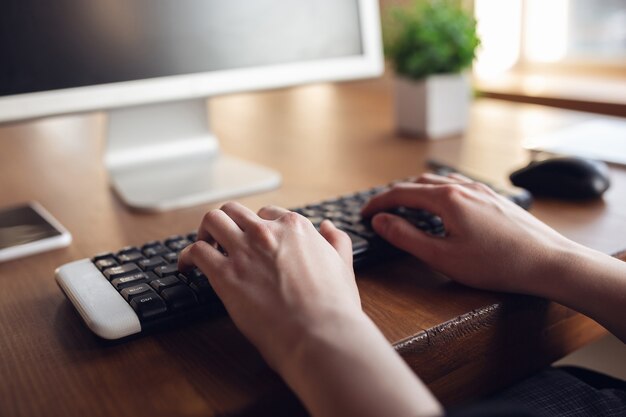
<point>499,28</point>
<point>545,37</point>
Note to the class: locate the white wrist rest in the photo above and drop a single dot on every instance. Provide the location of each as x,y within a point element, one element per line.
<point>102,308</point>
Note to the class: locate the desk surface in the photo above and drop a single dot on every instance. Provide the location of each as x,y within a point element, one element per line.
<point>326,140</point>
<point>597,93</point>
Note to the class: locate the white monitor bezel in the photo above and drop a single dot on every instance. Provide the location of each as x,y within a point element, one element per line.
<point>189,86</point>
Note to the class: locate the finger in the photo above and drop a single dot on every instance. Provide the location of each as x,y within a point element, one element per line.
<point>272,212</point>
<point>460,177</point>
<point>202,255</point>
<point>338,239</point>
<point>402,234</point>
<point>423,196</point>
<point>430,178</point>
<point>219,227</point>
<point>240,214</point>
<point>207,259</point>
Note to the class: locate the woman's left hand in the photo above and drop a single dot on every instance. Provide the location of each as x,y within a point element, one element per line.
<point>277,276</point>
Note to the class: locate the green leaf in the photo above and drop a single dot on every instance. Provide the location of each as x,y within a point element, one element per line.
<point>430,37</point>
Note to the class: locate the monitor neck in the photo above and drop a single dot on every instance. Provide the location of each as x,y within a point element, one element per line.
<point>157,133</point>
<point>164,156</point>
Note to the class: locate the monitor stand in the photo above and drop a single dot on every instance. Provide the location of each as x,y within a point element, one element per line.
<point>164,156</point>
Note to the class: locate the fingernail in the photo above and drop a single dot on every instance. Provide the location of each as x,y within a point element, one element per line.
<point>330,223</point>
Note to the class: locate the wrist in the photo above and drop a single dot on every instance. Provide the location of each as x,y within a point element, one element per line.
<point>571,273</point>
<point>330,329</point>
<point>553,269</point>
<point>345,366</point>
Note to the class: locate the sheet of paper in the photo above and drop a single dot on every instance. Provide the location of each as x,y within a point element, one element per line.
<point>603,139</point>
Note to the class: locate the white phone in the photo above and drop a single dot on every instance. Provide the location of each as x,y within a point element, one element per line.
<point>28,229</point>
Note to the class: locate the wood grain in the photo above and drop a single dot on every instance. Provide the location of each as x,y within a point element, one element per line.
<point>326,140</point>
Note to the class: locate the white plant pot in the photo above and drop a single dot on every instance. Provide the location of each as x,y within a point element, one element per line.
<point>435,107</point>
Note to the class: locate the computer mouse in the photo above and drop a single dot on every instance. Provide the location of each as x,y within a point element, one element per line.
<point>568,178</point>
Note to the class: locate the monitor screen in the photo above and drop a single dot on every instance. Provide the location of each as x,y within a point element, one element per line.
<point>73,43</point>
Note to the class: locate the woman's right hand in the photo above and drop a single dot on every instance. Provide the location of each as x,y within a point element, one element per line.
<point>491,243</point>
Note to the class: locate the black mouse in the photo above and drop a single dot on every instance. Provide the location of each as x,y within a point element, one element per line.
<point>568,178</point>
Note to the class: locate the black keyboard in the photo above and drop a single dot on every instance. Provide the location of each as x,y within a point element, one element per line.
<point>147,277</point>
<point>367,246</point>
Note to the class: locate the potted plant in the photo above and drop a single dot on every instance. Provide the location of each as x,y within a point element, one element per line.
<point>430,43</point>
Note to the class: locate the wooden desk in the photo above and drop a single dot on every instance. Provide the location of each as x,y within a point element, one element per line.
<point>326,140</point>
<point>596,93</point>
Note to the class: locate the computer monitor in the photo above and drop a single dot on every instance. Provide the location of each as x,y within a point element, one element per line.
<point>151,64</point>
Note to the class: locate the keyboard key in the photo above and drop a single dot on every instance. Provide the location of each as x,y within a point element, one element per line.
<point>421,219</point>
<point>310,212</point>
<point>148,305</point>
<point>361,197</point>
<point>179,297</point>
<point>128,249</point>
<point>352,207</point>
<point>204,291</point>
<point>413,213</point>
<point>151,276</point>
<point>129,280</point>
<point>382,189</point>
<point>105,263</point>
<point>134,291</point>
<point>353,218</point>
<point>162,283</point>
<point>435,222</point>
<point>121,270</point>
<point>184,278</point>
<point>150,244</point>
<point>365,194</point>
<point>171,257</point>
<point>333,215</point>
<point>361,230</point>
<point>179,245</point>
<point>340,224</point>
<point>359,245</point>
<point>331,206</point>
<point>150,264</point>
<point>196,274</point>
<point>165,270</point>
<point>173,239</point>
<point>128,257</point>
<point>155,250</point>
<point>103,255</point>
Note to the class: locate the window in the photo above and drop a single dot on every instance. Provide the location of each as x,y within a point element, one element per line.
<point>551,35</point>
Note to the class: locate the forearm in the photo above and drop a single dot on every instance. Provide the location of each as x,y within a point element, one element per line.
<point>587,281</point>
<point>346,367</point>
